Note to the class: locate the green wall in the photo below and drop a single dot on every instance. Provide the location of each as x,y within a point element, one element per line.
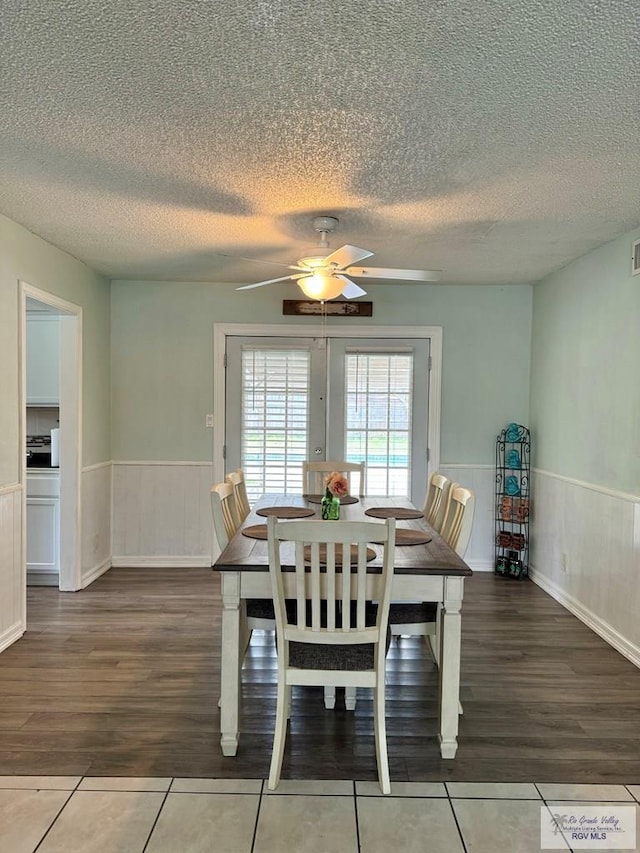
<point>585,393</point>
<point>162,354</point>
<point>25,257</point>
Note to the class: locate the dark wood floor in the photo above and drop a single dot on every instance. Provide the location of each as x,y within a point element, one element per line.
<point>123,679</point>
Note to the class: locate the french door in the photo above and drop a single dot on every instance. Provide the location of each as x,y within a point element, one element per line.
<point>291,399</point>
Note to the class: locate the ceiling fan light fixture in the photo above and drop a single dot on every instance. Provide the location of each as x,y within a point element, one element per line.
<point>321,285</point>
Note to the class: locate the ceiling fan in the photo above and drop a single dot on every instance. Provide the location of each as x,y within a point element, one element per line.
<point>326,275</point>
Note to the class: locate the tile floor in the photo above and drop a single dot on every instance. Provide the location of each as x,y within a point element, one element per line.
<point>66,814</point>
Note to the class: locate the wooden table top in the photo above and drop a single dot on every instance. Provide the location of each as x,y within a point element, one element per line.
<point>432,558</point>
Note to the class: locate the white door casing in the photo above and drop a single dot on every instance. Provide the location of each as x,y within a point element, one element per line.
<point>70,433</point>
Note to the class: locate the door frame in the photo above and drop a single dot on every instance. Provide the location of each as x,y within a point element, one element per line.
<point>221,331</point>
<point>70,315</point>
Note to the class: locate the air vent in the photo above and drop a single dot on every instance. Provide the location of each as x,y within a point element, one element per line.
<point>635,258</point>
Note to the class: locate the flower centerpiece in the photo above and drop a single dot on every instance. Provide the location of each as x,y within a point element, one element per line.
<point>336,487</point>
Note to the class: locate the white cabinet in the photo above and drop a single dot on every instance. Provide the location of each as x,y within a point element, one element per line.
<point>43,360</point>
<point>43,528</point>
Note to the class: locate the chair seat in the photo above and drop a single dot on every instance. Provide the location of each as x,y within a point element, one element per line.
<point>260,608</point>
<point>338,657</point>
<point>409,612</point>
<point>314,656</point>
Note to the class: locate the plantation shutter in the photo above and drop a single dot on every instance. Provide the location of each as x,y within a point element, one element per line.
<point>378,405</point>
<point>275,418</point>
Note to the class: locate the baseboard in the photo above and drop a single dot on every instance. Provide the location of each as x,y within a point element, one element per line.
<point>160,562</point>
<point>602,628</point>
<point>92,574</point>
<point>12,634</point>
<point>480,565</point>
<point>41,578</point>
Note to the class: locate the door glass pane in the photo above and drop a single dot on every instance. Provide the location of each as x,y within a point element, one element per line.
<point>378,398</point>
<point>275,418</point>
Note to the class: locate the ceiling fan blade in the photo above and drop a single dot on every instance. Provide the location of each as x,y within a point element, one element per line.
<point>270,281</point>
<point>402,275</point>
<point>258,261</point>
<point>346,255</point>
<point>351,289</point>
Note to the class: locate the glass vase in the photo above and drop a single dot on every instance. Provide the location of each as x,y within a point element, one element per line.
<point>330,507</point>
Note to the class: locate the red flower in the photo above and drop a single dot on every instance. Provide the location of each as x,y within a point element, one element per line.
<point>337,484</point>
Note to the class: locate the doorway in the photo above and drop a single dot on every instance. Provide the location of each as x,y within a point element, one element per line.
<point>368,393</point>
<point>327,398</point>
<point>55,516</point>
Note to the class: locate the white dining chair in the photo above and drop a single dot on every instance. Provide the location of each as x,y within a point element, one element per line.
<point>224,510</point>
<point>436,499</point>
<point>329,644</point>
<point>458,521</point>
<point>237,481</point>
<point>257,613</point>
<point>408,619</point>
<point>314,475</point>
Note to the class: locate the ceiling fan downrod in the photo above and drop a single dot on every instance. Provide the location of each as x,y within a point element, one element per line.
<point>325,225</point>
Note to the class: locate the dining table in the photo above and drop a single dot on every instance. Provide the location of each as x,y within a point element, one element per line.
<point>425,570</point>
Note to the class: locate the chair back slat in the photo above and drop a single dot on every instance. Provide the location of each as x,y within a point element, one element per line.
<point>315,592</point>
<point>330,570</point>
<point>345,606</point>
<point>301,592</point>
<point>314,475</point>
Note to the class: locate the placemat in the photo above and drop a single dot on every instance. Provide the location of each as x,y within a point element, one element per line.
<point>286,511</point>
<point>411,537</point>
<point>256,531</point>
<point>399,512</point>
<point>317,499</point>
<point>371,554</point>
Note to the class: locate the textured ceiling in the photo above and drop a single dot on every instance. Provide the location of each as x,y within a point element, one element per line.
<point>496,140</point>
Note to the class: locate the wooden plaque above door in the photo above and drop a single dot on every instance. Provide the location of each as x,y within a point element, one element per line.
<point>329,309</point>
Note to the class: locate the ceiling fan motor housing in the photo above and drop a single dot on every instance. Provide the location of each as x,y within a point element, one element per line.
<point>325,224</point>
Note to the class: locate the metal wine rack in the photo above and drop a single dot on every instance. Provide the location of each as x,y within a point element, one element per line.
<point>513,501</point>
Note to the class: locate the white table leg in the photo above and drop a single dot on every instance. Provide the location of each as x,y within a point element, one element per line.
<point>450,644</point>
<point>230,663</point>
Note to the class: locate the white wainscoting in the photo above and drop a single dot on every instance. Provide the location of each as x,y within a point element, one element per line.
<point>585,552</point>
<point>161,514</point>
<point>480,478</point>
<point>12,579</point>
<point>96,521</point>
